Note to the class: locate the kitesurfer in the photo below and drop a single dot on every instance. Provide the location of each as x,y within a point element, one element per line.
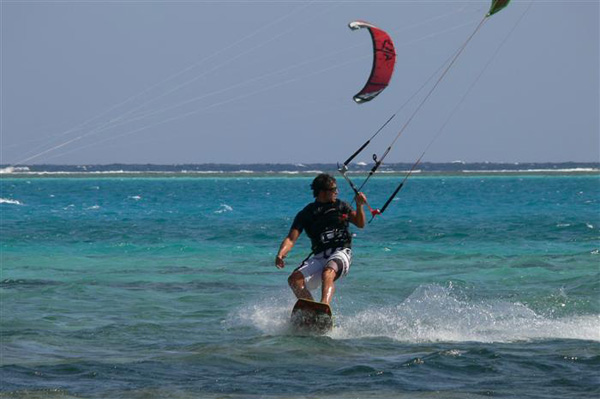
<point>326,222</point>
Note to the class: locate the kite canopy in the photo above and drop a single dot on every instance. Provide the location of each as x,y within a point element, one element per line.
<point>384,59</point>
<point>497,5</point>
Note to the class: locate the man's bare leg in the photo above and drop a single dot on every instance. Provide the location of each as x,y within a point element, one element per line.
<point>296,283</point>
<point>328,288</point>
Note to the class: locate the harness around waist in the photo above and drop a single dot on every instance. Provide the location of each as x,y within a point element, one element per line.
<point>331,240</point>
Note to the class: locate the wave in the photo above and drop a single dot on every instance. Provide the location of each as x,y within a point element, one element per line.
<point>301,172</point>
<point>457,167</point>
<point>14,169</point>
<point>167,173</point>
<point>10,201</point>
<point>224,208</point>
<point>434,314</point>
<point>549,170</point>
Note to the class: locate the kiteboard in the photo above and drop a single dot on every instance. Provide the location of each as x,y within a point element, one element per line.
<point>312,317</point>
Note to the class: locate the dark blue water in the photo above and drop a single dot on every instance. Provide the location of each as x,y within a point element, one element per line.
<point>137,287</point>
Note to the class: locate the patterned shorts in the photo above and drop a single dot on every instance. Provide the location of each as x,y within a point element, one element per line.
<point>338,259</point>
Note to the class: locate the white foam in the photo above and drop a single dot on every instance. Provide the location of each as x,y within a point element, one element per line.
<point>10,201</point>
<point>269,315</point>
<point>432,314</point>
<point>14,169</point>
<point>224,208</point>
<point>416,171</point>
<point>565,170</point>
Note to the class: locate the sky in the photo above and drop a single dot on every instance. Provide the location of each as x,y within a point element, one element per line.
<point>173,82</point>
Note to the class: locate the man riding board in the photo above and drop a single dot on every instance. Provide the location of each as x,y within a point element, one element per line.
<point>326,221</point>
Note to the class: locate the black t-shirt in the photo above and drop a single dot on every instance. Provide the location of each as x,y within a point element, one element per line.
<point>326,224</point>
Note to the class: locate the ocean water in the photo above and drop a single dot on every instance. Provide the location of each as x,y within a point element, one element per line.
<point>469,286</point>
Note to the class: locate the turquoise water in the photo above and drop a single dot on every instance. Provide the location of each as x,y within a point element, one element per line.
<point>139,287</point>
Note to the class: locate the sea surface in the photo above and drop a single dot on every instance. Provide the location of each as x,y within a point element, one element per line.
<point>470,285</point>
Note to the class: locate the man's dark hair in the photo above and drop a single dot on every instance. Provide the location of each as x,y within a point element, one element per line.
<point>321,183</point>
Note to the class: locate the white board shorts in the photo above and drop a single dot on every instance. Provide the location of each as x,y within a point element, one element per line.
<point>312,268</point>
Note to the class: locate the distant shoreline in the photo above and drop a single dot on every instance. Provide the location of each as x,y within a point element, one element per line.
<point>291,170</point>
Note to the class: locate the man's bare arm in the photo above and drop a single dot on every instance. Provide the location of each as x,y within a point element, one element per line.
<point>286,246</point>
